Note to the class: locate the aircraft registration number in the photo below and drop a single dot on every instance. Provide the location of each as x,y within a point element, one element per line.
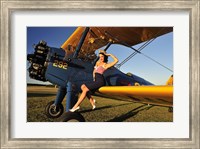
<point>60,64</point>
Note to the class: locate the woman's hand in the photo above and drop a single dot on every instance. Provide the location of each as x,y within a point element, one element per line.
<point>93,77</point>
<point>93,74</point>
<point>108,54</point>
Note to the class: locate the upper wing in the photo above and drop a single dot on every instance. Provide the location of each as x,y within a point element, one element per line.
<point>98,37</point>
<point>158,95</point>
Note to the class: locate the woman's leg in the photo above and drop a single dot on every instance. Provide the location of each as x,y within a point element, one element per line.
<point>82,96</point>
<point>92,101</point>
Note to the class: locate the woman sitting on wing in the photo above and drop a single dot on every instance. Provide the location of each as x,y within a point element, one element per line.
<point>100,67</point>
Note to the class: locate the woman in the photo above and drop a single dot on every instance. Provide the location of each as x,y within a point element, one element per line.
<point>98,82</point>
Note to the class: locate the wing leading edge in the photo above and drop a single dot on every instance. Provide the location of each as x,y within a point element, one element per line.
<point>158,95</point>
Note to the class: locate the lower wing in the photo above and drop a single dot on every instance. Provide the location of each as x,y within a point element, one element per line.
<point>156,95</point>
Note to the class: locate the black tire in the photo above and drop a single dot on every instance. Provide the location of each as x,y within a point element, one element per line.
<point>72,117</point>
<point>53,111</point>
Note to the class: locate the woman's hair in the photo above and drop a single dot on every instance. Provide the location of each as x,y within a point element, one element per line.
<point>105,57</point>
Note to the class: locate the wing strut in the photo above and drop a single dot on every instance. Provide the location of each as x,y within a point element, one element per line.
<point>81,42</point>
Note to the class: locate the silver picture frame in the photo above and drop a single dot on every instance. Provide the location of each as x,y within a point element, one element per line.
<point>9,7</point>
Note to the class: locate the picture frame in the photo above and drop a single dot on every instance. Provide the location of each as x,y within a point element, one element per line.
<point>9,7</point>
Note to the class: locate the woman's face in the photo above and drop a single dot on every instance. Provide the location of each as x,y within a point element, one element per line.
<point>101,57</point>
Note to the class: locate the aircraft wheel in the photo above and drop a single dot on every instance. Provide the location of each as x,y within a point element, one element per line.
<point>53,111</point>
<point>72,117</point>
<point>170,109</point>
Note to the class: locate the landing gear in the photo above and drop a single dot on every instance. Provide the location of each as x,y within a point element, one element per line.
<point>170,109</point>
<point>72,117</point>
<point>53,111</point>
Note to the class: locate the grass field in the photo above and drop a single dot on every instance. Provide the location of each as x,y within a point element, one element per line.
<point>108,110</point>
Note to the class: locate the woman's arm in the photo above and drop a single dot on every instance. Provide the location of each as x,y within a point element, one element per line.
<point>93,74</point>
<point>111,63</point>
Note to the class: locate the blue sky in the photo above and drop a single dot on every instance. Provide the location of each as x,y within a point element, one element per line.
<point>161,50</point>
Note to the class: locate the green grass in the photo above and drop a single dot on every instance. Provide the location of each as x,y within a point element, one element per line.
<point>108,110</point>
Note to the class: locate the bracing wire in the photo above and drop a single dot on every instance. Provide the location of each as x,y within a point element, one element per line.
<point>157,62</point>
<point>134,53</point>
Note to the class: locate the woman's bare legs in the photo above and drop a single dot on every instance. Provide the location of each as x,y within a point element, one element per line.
<point>82,96</point>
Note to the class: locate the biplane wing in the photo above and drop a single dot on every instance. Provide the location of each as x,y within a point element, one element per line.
<point>98,37</point>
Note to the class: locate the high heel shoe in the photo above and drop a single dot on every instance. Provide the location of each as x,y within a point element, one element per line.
<point>73,110</point>
<point>93,107</point>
